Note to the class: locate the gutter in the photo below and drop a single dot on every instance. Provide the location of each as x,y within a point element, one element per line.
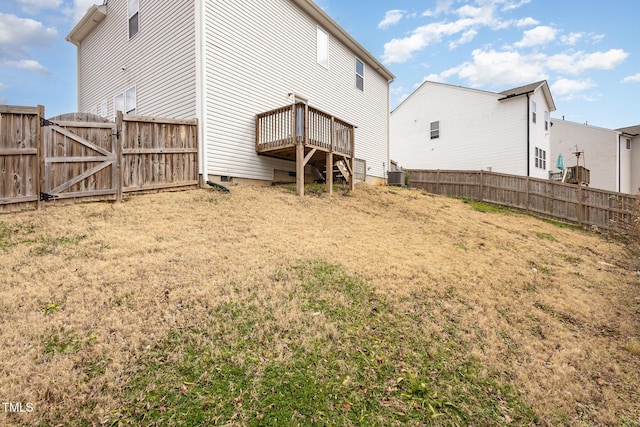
<point>619,164</point>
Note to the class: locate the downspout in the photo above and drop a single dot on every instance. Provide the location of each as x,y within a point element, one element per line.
<point>619,164</point>
<point>528,136</point>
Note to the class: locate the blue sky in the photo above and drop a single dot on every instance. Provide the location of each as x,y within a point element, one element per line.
<point>587,50</point>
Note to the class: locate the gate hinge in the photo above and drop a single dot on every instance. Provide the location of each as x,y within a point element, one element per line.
<point>46,196</point>
<point>45,122</point>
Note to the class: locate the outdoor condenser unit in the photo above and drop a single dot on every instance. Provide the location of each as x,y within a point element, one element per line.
<point>396,178</point>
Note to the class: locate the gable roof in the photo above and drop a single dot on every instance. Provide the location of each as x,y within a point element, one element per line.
<point>96,14</point>
<point>531,88</point>
<point>631,130</point>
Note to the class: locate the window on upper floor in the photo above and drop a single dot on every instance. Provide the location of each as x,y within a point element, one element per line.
<point>546,120</point>
<point>533,111</point>
<point>435,130</point>
<point>118,103</point>
<point>359,74</point>
<point>130,101</point>
<point>133,14</point>
<point>126,101</point>
<point>323,48</point>
<point>628,144</point>
<point>541,158</point>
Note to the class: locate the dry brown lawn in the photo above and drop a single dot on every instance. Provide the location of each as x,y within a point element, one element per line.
<point>86,290</point>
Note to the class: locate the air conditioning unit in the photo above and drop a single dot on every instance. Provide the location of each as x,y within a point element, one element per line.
<point>396,178</point>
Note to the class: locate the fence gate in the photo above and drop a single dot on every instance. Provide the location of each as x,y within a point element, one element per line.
<point>80,158</point>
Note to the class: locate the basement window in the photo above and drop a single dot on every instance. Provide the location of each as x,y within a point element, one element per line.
<point>435,130</point>
<point>133,15</point>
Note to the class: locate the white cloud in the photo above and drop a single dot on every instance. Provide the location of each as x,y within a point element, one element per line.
<point>568,89</point>
<point>526,22</point>
<point>537,36</point>
<point>18,33</point>
<point>632,79</point>
<point>29,65</point>
<point>491,68</point>
<point>571,38</point>
<point>34,6</point>
<point>466,37</point>
<point>579,62</point>
<point>511,5</point>
<point>392,17</point>
<point>470,19</point>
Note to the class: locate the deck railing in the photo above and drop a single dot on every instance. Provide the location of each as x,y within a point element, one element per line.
<point>298,123</point>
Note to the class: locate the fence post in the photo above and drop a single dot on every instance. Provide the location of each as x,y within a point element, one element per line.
<point>580,207</point>
<point>527,195</point>
<point>119,156</point>
<point>40,157</point>
<point>481,185</point>
<point>438,181</point>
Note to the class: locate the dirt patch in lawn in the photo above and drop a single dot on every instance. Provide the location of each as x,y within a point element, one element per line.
<point>94,297</point>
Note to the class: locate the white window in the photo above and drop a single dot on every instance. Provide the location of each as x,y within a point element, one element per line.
<point>118,103</point>
<point>541,158</point>
<point>126,101</point>
<point>133,15</point>
<point>359,74</point>
<point>546,120</point>
<point>628,144</point>
<point>533,111</point>
<point>130,100</point>
<point>435,130</point>
<point>323,48</point>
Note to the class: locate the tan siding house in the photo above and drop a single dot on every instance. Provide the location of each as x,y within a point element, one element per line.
<point>226,61</point>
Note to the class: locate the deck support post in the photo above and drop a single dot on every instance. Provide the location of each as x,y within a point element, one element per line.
<point>352,178</point>
<point>329,173</point>
<point>300,168</point>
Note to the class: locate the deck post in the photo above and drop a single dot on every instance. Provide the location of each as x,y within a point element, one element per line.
<point>329,172</point>
<point>352,135</point>
<point>300,168</point>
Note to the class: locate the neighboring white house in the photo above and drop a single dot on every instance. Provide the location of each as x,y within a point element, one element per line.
<point>612,156</point>
<point>225,61</point>
<point>440,126</point>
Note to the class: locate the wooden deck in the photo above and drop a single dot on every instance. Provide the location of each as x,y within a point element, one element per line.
<point>303,134</point>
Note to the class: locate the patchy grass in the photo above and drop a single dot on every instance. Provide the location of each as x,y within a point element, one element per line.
<point>487,207</point>
<point>257,307</point>
<point>348,359</point>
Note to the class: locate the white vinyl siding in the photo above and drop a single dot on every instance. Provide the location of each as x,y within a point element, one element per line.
<point>160,63</point>
<point>282,51</point>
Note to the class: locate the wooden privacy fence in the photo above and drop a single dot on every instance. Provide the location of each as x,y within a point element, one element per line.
<point>83,157</point>
<point>564,202</point>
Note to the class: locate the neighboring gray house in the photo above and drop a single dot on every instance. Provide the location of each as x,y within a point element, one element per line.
<point>223,62</point>
<point>440,126</point>
<point>612,156</point>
